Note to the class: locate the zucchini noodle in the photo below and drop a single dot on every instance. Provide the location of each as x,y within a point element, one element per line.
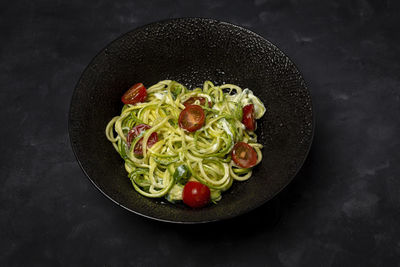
<point>206,152</point>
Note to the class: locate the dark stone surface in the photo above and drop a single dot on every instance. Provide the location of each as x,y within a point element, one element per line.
<point>342,210</point>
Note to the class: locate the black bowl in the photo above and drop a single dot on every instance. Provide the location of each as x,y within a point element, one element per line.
<point>192,50</point>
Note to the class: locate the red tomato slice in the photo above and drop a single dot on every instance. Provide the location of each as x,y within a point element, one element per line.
<point>137,93</point>
<point>192,118</point>
<point>196,195</point>
<point>244,155</point>
<point>248,117</point>
<point>134,132</point>
<point>193,99</point>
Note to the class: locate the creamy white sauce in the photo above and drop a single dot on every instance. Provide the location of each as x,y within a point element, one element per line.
<point>247,97</point>
<point>226,128</point>
<point>159,95</point>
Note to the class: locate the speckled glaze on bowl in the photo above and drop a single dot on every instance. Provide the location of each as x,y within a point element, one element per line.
<point>192,50</point>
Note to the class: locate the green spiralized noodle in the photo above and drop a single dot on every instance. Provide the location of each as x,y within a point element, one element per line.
<point>205,152</point>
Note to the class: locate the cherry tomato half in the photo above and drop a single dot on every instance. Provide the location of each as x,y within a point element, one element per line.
<point>244,155</point>
<point>196,195</point>
<point>137,93</point>
<point>192,118</point>
<point>134,132</point>
<point>248,117</point>
<point>193,99</point>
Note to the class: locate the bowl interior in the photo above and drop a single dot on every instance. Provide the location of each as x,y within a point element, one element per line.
<point>191,51</point>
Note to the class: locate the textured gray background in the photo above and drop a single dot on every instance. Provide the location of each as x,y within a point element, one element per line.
<point>343,209</point>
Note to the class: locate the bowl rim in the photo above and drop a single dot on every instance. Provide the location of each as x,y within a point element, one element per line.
<point>226,217</point>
